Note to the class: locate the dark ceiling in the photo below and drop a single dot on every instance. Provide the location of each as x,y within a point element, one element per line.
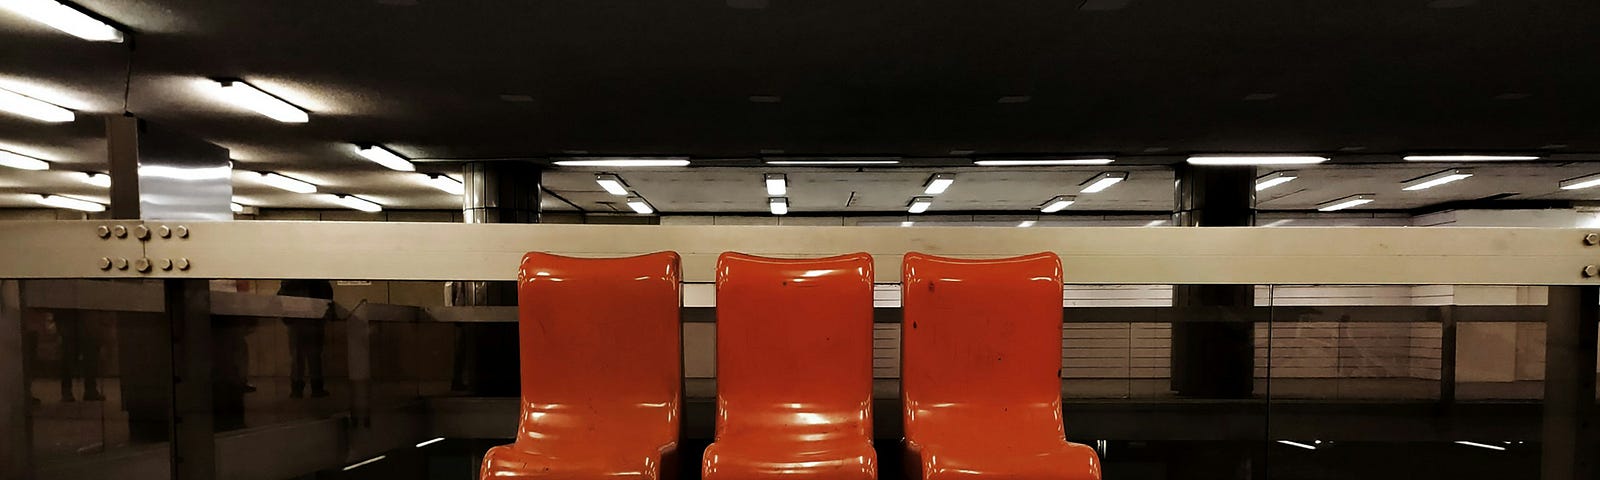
<point>912,78</point>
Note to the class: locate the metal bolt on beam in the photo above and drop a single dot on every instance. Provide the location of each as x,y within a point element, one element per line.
<point>183,264</point>
<point>1591,239</point>
<point>183,232</point>
<point>120,231</point>
<point>163,231</point>
<point>122,264</point>
<point>105,263</point>
<point>142,265</point>
<point>166,264</point>
<point>1591,270</point>
<point>103,231</point>
<point>141,232</point>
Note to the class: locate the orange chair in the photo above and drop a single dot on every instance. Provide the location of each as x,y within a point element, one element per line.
<point>601,370</point>
<point>794,369</point>
<point>980,370</point>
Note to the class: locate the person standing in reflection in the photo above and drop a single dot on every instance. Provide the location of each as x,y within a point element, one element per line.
<point>306,337</point>
<point>80,355</point>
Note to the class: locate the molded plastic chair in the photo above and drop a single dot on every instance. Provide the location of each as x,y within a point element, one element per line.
<point>980,370</point>
<point>601,370</point>
<point>794,369</point>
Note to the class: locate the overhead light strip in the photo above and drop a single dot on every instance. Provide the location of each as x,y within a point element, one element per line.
<point>1481,445</point>
<point>1587,181</point>
<point>938,183</point>
<point>444,183</point>
<point>249,97</point>
<point>282,182</point>
<point>919,204</point>
<point>1469,158</point>
<point>778,205</point>
<point>1297,444</point>
<point>1103,181</point>
<point>612,183</point>
<point>1240,160</point>
<point>777,184</point>
<point>1347,202</point>
<point>832,161</point>
<point>386,157</point>
<point>1436,179</point>
<point>33,108</point>
<point>22,162</point>
<point>1274,179</point>
<point>59,201</point>
<point>65,18</point>
<point>1043,162</point>
<point>1058,203</point>
<point>640,206</point>
<point>94,178</point>
<point>354,202</point>
<point>624,162</point>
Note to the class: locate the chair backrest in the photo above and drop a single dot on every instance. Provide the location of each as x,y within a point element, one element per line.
<point>981,331</point>
<point>600,332</point>
<point>794,333</point>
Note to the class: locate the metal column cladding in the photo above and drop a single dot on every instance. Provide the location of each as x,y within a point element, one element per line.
<point>1213,357</point>
<point>162,174</point>
<point>503,191</point>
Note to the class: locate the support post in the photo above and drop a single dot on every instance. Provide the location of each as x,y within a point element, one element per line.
<point>16,442</point>
<point>1214,357</point>
<point>486,355</point>
<point>1569,375</point>
<point>188,307</point>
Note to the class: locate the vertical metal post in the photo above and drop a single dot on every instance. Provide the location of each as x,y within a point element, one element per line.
<point>122,151</point>
<point>1447,355</point>
<point>486,354</point>
<point>1213,357</point>
<point>15,432</point>
<point>1569,375</point>
<point>188,306</point>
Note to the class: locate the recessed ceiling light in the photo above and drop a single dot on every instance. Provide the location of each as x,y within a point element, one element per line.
<point>1587,181</point>
<point>907,224</point>
<point>778,205</point>
<point>33,108</point>
<point>516,97</point>
<point>1057,203</point>
<point>59,201</point>
<point>640,206</point>
<point>1260,97</point>
<point>919,204</point>
<point>1043,162</point>
<point>1103,5</point>
<point>1103,181</point>
<point>1014,99</point>
<point>777,184</point>
<point>354,202</point>
<point>281,182</point>
<point>1436,179</point>
<point>1469,158</point>
<point>1256,160</point>
<point>444,183</point>
<point>766,99</point>
<point>1274,179</point>
<point>64,18</point>
<point>1347,202</point>
<point>1027,223</point>
<point>93,178</point>
<point>246,96</point>
<point>938,183</point>
<point>612,183</point>
<point>833,161</point>
<point>624,162</point>
<point>385,157</point>
<point>22,162</point>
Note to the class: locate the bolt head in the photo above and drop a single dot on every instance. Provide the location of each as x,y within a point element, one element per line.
<point>1591,239</point>
<point>105,262</point>
<point>163,231</point>
<point>142,265</point>
<point>165,263</point>
<point>183,232</point>
<point>120,231</point>
<point>122,264</point>
<point>103,231</point>
<point>183,264</point>
<point>141,232</point>
<point>1591,270</point>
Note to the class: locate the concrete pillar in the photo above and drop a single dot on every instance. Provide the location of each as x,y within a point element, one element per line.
<point>1568,448</point>
<point>16,441</point>
<point>1214,357</point>
<point>486,354</point>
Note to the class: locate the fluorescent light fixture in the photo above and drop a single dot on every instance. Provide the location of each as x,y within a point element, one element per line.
<point>186,174</point>
<point>237,208</point>
<point>938,183</point>
<point>1043,162</point>
<point>624,162</point>
<point>1297,444</point>
<point>1274,179</point>
<point>1056,204</point>
<point>246,96</point>
<point>1103,181</point>
<point>430,442</point>
<point>59,201</point>
<point>1347,202</point>
<point>365,462</point>
<point>20,161</point>
<point>907,224</point>
<point>1026,223</point>
<point>640,206</point>
<point>33,108</point>
<point>779,205</point>
<point>612,183</point>
<point>836,161</point>
<point>385,157</point>
<point>356,203</point>
<point>64,18</point>
<point>1436,179</point>
<point>445,184</point>
<point>920,204</point>
<point>94,178</point>
<point>284,183</point>
<point>1469,158</point>
<point>777,184</point>
<point>1587,181</point>
<point>1481,445</point>
<point>1157,223</point>
<point>1226,160</point>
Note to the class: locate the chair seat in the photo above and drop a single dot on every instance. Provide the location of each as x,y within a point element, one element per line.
<point>1057,460</point>
<point>751,458</point>
<point>632,462</point>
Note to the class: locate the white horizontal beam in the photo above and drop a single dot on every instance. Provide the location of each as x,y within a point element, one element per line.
<point>434,251</point>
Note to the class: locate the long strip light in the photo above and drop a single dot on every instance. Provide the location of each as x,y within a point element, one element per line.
<point>59,201</point>
<point>430,442</point>
<point>64,18</point>
<point>938,183</point>
<point>20,161</point>
<point>624,162</point>
<point>778,205</point>
<point>612,183</point>
<point>834,161</point>
<point>385,157</point>
<point>777,184</point>
<point>1043,162</point>
<point>1436,179</point>
<point>919,204</point>
<point>283,182</point>
<point>354,202</point>
<point>1226,160</point>
<point>1480,445</point>
<point>640,206</point>
<point>1274,179</point>
<point>445,184</point>
<point>365,462</point>
<point>246,96</point>
<point>186,173</point>
<point>1347,202</point>
<point>93,178</point>
<point>1297,444</point>
<point>1103,181</point>
<point>1587,181</point>
<point>1027,223</point>
<point>1058,203</point>
<point>1469,158</point>
<point>33,108</point>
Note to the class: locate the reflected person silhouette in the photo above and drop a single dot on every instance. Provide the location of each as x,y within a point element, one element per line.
<point>306,337</point>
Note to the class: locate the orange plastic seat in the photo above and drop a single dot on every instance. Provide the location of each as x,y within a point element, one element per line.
<point>794,369</point>
<point>980,370</point>
<point>601,370</point>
